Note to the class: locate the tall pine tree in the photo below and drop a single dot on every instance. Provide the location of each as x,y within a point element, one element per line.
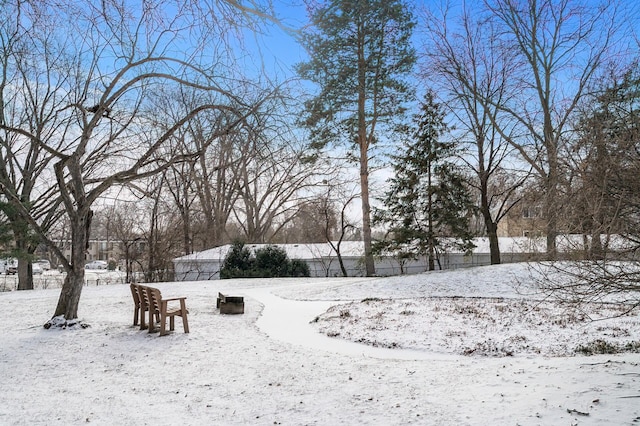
<point>360,51</point>
<point>427,200</point>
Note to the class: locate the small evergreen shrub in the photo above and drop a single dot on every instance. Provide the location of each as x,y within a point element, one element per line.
<point>299,268</point>
<point>238,262</point>
<point>267,262</point>
<point>272,261</point>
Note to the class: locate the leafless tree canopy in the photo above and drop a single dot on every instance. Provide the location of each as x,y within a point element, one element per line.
<point>465,59</point>
<point>556,49</point>
<point>97,71</point>
<point>150,102</point>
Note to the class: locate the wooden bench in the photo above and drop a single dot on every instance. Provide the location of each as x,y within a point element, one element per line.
<point>149,299</point>
<point>141,305</point>
<point>230,304</point>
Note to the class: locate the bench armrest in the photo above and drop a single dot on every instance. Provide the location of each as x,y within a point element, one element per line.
<point>174,298</point>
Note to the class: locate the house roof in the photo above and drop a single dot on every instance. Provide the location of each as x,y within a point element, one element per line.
<point>355,249</point>
<point>294,251</point>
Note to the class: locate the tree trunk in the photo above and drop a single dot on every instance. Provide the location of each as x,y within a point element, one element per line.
<point>25,272</point>
<point>70,295</point>
<point>363,144</point>
<point>366,217</point>
<point>186,231</point>
<point>25,275</point>
<point>431,256</point>
<point>341,262</point>
<point>494,247</point>
<point>551,202</point>
<point>152,243</point>
<point>492,233</point>
<point>490,225</point>
<point>19,229</point>
<point>430,240</point>
<point>596,249</point>
<point>67,307</point>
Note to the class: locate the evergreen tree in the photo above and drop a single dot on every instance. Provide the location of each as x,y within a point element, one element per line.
<point>427,199</point>
<point>360,50</point>
<point>272,261</point>
<point>238,260</point>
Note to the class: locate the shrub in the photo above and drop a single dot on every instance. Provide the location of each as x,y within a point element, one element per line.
<point>270,261</point>
<point>299,268</point>
<point>112,265</point>
<point>600,346</point>
<point>238,262</point>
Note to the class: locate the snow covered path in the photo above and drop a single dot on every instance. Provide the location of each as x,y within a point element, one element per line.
<point>289,321</point>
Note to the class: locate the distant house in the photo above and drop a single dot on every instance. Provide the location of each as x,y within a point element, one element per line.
<point>102,249</point>
<point>323,261</point>
<point>526,220</point>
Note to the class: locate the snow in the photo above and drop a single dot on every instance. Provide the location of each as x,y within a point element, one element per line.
<point>272,365</point>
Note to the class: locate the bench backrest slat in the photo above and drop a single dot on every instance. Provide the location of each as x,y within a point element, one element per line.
<point>155,297</point>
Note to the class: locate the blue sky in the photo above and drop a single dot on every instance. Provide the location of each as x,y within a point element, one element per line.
<point>276,49</point>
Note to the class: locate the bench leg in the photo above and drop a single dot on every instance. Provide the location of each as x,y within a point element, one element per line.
<point>143,324</point>
<point>172,323</point>
<point>163,325</point>
<point>185,323</point>
<point>183,314</point>
<point>152,324</point>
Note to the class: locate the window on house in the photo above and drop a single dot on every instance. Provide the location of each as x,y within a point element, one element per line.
<point>532,234</point>
<point>531,212</point>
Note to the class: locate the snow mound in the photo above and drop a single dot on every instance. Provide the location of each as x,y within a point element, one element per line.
<point>484,326</point>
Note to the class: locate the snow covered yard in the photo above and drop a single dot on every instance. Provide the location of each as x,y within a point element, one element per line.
<point>272,366</point>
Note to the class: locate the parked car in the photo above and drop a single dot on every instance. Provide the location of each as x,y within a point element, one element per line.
<point>96,264</point>
<point>9,266</point>
<point>36,269</point>
<point>44,264</point>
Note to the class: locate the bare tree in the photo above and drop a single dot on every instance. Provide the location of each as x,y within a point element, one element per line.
<point>105,107</point>
<point>128,235</point>
<point>559,48</point>
<point>314,219</point>
<point>222,167</point>
<point>216,180</point>
<point>341,199</point>
<point>197,185</point>
<point>271,187</point>
<point>180,181</point>
<point>161,234</point>
<point>273,179</point>
<point>28,100</point>
<point>604,203</point>
<point>471,70</point>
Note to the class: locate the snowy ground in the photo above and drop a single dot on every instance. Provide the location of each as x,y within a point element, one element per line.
<point>273,366</point>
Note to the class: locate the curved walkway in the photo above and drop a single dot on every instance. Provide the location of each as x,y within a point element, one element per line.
<point>289,321</point>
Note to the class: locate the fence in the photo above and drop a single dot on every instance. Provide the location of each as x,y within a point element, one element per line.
<point>55,280</point>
